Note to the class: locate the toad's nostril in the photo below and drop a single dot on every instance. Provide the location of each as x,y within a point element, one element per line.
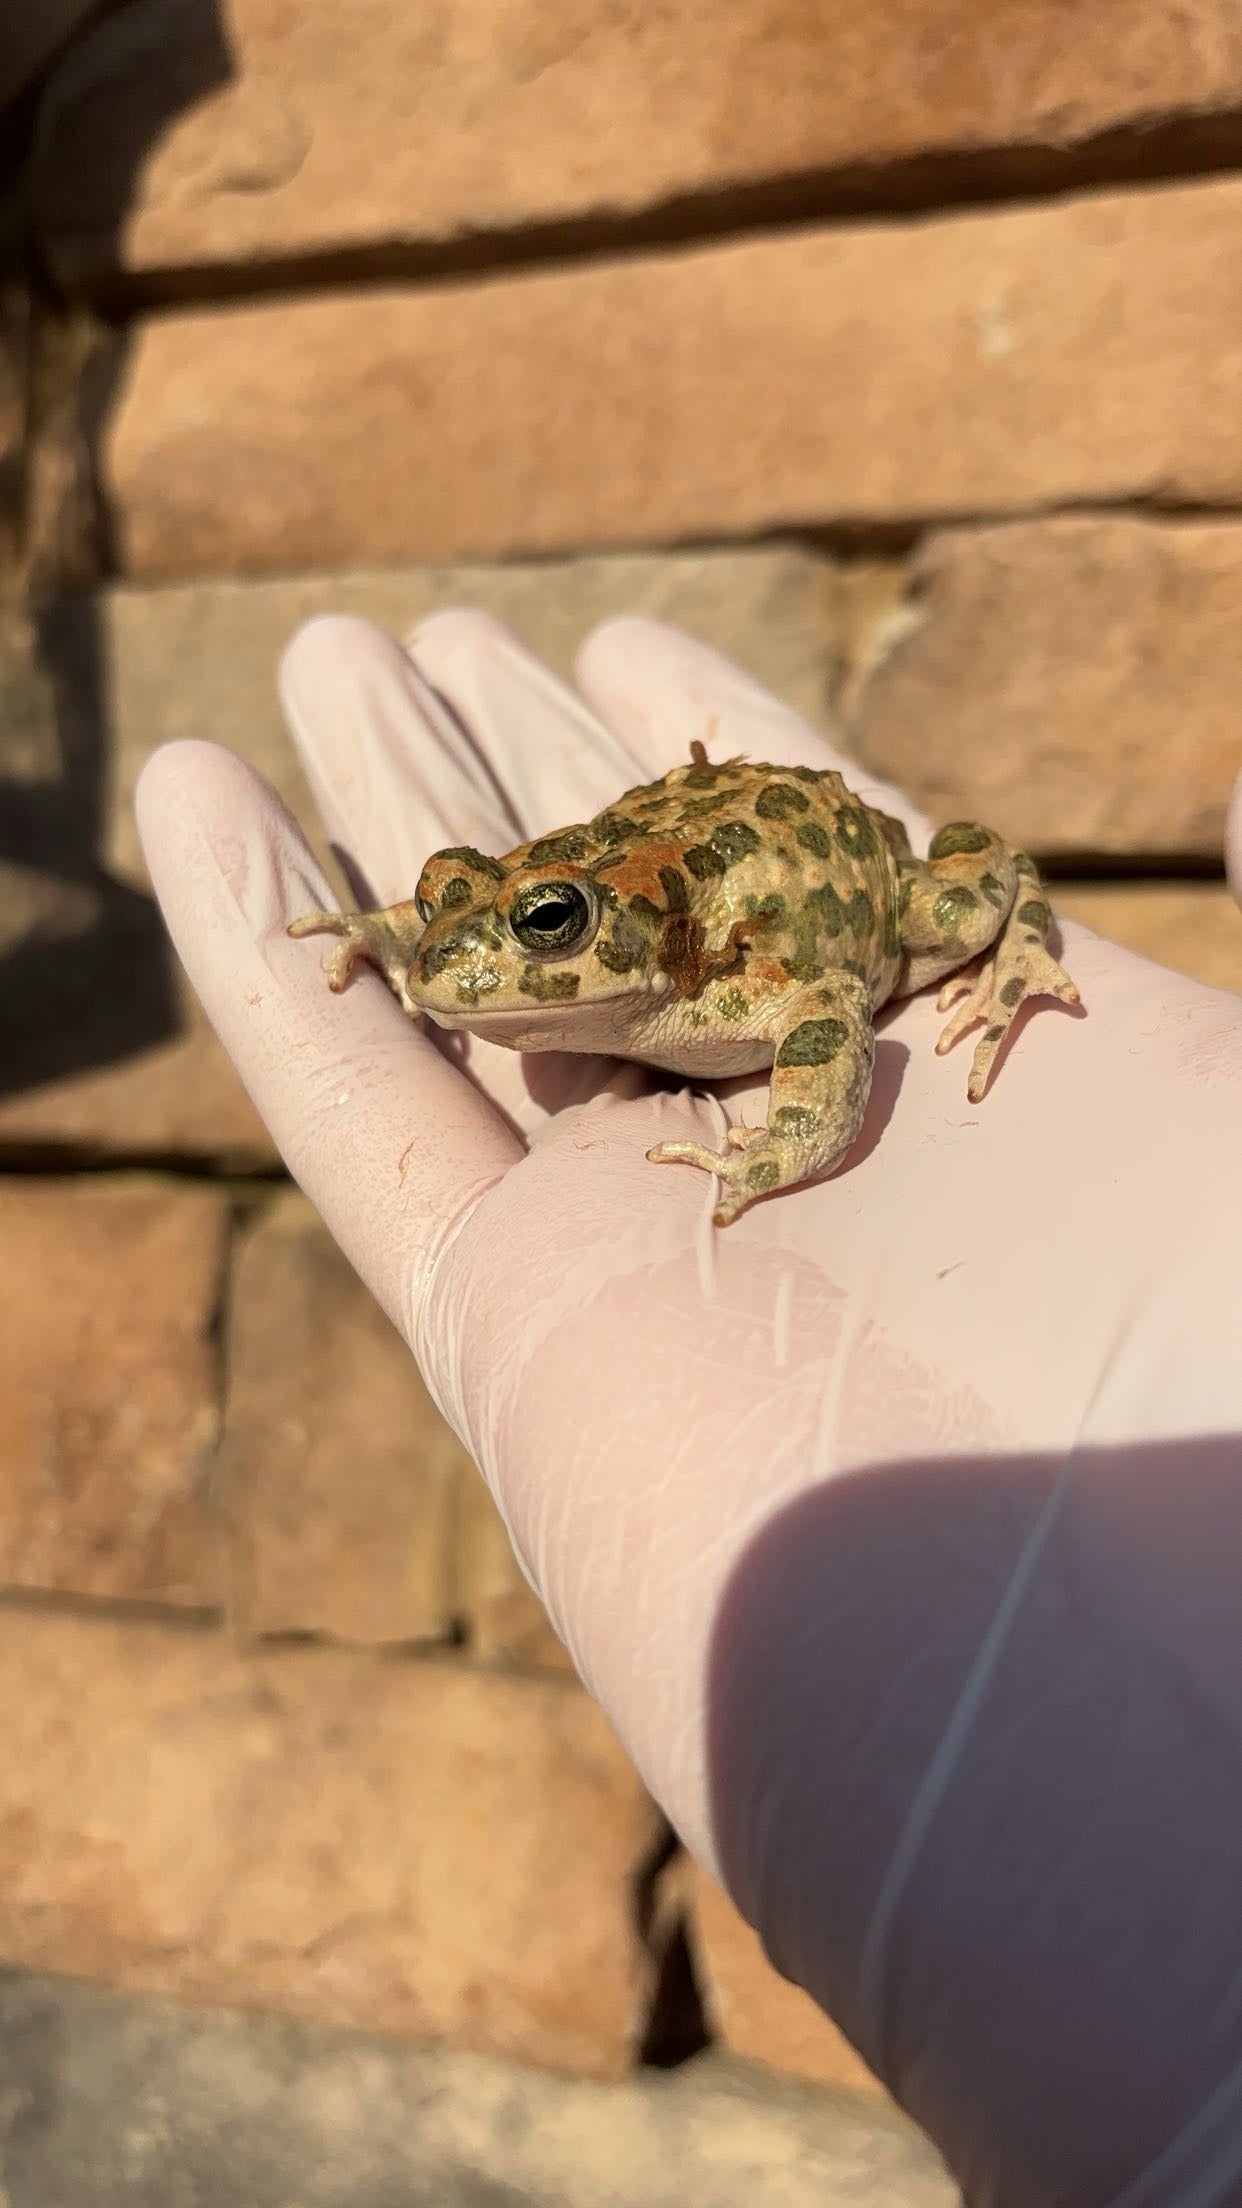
<point>463,942</point>
<point>435,960</point>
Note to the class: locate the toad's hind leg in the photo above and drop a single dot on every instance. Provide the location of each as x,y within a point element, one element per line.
<point>975,892</point>
<point>821,1076</point>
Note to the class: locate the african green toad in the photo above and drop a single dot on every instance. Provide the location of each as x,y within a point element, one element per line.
<point>723,919</point>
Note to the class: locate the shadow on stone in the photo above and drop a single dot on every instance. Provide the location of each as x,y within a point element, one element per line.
<point>86,974</point>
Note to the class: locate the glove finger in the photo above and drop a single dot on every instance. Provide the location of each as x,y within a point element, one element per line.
<point>661,690</point>
<point>395,774</point>
<point>392,1144</point>
<point>398,773</point>
<point>556,762</point>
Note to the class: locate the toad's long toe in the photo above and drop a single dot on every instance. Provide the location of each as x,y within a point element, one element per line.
<point>691,1153</point>
<point>353,947</point>
<point>320,923</point>
<point>386,940</point>
<point>744,1176</point>
<point>729,1169</point>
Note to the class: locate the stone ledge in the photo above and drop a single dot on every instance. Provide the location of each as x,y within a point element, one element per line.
<point>116,2102</point>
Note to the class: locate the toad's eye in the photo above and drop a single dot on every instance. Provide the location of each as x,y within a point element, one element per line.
<point>550,919</point>
<point>423,907</point>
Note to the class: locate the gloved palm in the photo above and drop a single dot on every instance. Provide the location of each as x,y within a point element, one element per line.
<point>894,1526</point>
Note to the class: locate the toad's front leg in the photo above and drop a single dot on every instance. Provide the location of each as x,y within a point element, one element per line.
<point>386,940</point>
<point>821,1076</point>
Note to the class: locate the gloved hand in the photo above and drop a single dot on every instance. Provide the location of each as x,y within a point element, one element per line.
<point>898,1527</point>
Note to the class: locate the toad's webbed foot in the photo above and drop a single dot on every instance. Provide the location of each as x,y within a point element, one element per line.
<point>1019,966</point>
<point>744,1173</point>
<point>974,893</point>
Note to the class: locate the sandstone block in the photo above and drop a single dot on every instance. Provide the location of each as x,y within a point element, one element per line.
<point>349,1507</point>
<point>337,1478</point>
<point>1073,682</point>
<point>1086,350</point>
<point>177,137</point>
<point>1195,927</point>
<point>407,1847</point>
<point>757,2013</point>
<point>90,685</point>
<point>109,1387</point>
<point>200,659</point>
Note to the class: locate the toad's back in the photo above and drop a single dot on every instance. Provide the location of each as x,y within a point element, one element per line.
<point>787,849</point>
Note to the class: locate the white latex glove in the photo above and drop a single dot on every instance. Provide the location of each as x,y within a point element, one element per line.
<point>898,1528</point>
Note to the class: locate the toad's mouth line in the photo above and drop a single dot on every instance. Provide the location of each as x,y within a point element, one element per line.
<point>547,1009</point>
<point>550,1012</point>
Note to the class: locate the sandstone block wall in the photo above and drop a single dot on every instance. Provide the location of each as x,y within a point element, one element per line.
<point>897,351</point>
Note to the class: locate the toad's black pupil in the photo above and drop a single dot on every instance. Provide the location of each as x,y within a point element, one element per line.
<point>550,917</point>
